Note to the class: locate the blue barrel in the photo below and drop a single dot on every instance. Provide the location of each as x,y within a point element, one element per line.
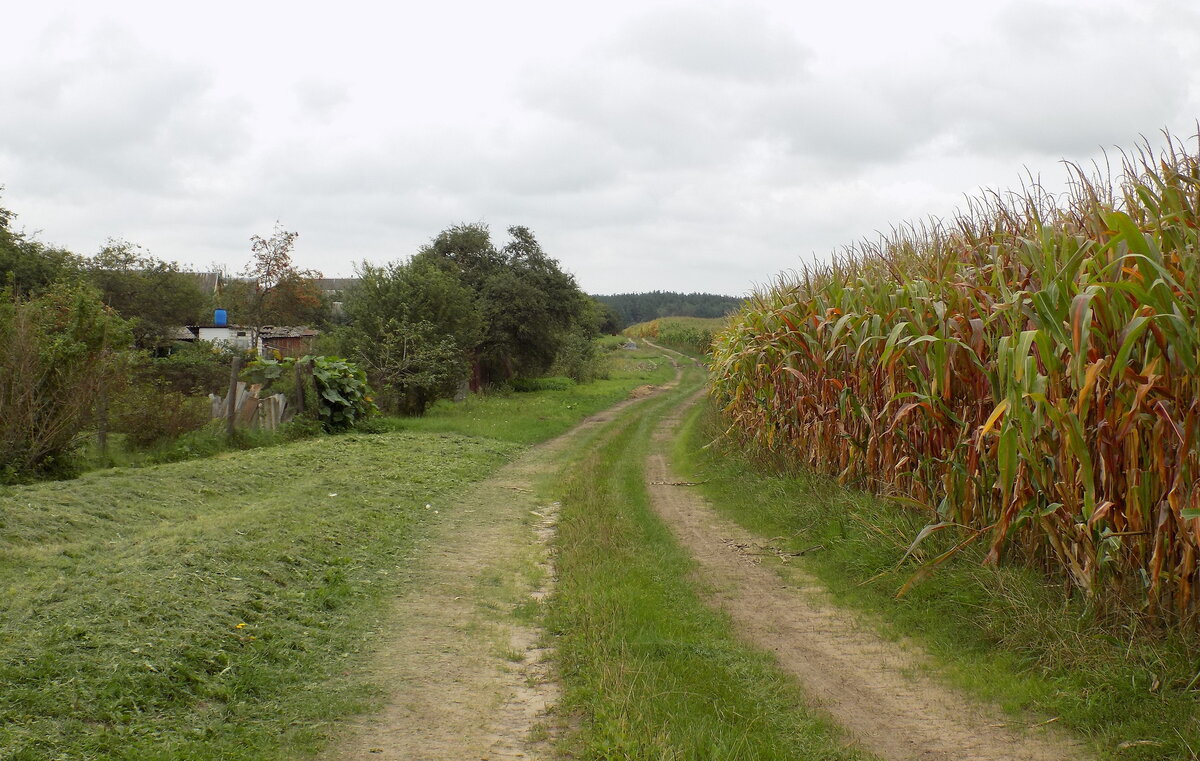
<point>220,319</point>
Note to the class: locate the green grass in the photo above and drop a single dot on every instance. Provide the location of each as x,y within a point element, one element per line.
<point>650,671</point>
<point>208,609</point>
<point>219,608</point>
<point>690,335</point>
<point>204,442</point>
<point>535,416</point>
<point>1004,634</point>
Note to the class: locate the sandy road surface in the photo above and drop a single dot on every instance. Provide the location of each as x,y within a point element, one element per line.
<point>467,679</point>
<point>870,686</point>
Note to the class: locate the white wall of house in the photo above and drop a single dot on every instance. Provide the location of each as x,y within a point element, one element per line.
<point>237,337</point>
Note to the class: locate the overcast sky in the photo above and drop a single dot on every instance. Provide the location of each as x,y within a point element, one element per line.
<point>648,145</point>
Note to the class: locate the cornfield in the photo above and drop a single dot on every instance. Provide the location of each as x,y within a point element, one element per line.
<point>1029,373</point>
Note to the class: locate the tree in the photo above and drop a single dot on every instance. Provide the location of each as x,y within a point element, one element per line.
<point>411,326</point>
<point>466,251</point>
<point>29,267</point>
<point>608,319</point>
<point>274,291</point>
<point>154,296</point>
<point>632,308</point>
<point>529,305</point>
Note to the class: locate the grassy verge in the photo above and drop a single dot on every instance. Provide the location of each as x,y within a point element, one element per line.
<point>535,416</point>
<point>525,418</point>
<point>216,608</point>
<point>649,669</point>
<point>1004,634</point>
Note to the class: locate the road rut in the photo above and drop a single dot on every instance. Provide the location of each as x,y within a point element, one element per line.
<point>870,686</point>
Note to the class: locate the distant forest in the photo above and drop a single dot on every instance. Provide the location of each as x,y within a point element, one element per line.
<point>639,307</point>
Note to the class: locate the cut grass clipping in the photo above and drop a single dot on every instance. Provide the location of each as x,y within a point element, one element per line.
<point>650,670</point>
<point>1004,633</point>
<point>216,608</point>
<point>189,610</point>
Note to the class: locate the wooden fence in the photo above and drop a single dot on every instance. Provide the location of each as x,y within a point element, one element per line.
<point>250,410</point>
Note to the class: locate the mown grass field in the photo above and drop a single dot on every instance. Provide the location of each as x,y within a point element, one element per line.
<point>221,608</point>
<point>1006,634</point>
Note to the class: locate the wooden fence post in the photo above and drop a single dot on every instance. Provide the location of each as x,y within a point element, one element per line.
<point>231,403</point>
<point>102,421</point>
<point>299,388</point>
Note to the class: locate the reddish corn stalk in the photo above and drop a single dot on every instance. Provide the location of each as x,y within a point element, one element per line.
<point>1031,369</point>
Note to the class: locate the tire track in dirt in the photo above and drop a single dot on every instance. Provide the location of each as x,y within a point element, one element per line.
<point>870,686</point>
<point>466,679</point>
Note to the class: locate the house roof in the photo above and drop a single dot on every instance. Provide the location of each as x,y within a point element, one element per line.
<point>337,284</point>
<point>285,331</point>
<point>208,281</point>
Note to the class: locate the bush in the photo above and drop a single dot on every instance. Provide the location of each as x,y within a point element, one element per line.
<point>343,394</point>
<point>411,364</point>
<point>578,359</point>
<point>337,394</point>
<point>196,368</point>
<point>150,414</point>
<point>59,353</point>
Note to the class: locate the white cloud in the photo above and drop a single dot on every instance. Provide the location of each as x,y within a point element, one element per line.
<point>648,144</point>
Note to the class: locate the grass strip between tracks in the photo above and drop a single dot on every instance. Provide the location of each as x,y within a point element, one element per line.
<point>650,671</point>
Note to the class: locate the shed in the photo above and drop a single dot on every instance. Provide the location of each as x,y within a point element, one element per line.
<point>288,341</point>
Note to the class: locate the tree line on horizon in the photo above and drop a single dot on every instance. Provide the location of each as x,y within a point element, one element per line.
<point>632,308</point>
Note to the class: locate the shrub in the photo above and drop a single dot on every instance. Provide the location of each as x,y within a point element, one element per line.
<point>59,352</point>
<point>578,359</point>
<point>337,395</point>
<point>149,414</point>
<point>411,364</point>
<point>343,394</point>
<point>197,368</point>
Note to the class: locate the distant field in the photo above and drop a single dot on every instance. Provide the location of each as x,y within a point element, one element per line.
<point>691,335</point>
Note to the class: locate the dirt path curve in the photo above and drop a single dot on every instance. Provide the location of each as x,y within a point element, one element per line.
<point>468,679</point>
<point>870,686</point>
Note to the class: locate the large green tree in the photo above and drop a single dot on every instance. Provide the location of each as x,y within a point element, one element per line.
<point>27,266</point>
<point>156,297</point>
<point>411,327</point>
<point>528,304</point>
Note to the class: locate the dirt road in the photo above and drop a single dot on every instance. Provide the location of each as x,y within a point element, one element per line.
<point>870,686</point>
<point>467,676</point>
